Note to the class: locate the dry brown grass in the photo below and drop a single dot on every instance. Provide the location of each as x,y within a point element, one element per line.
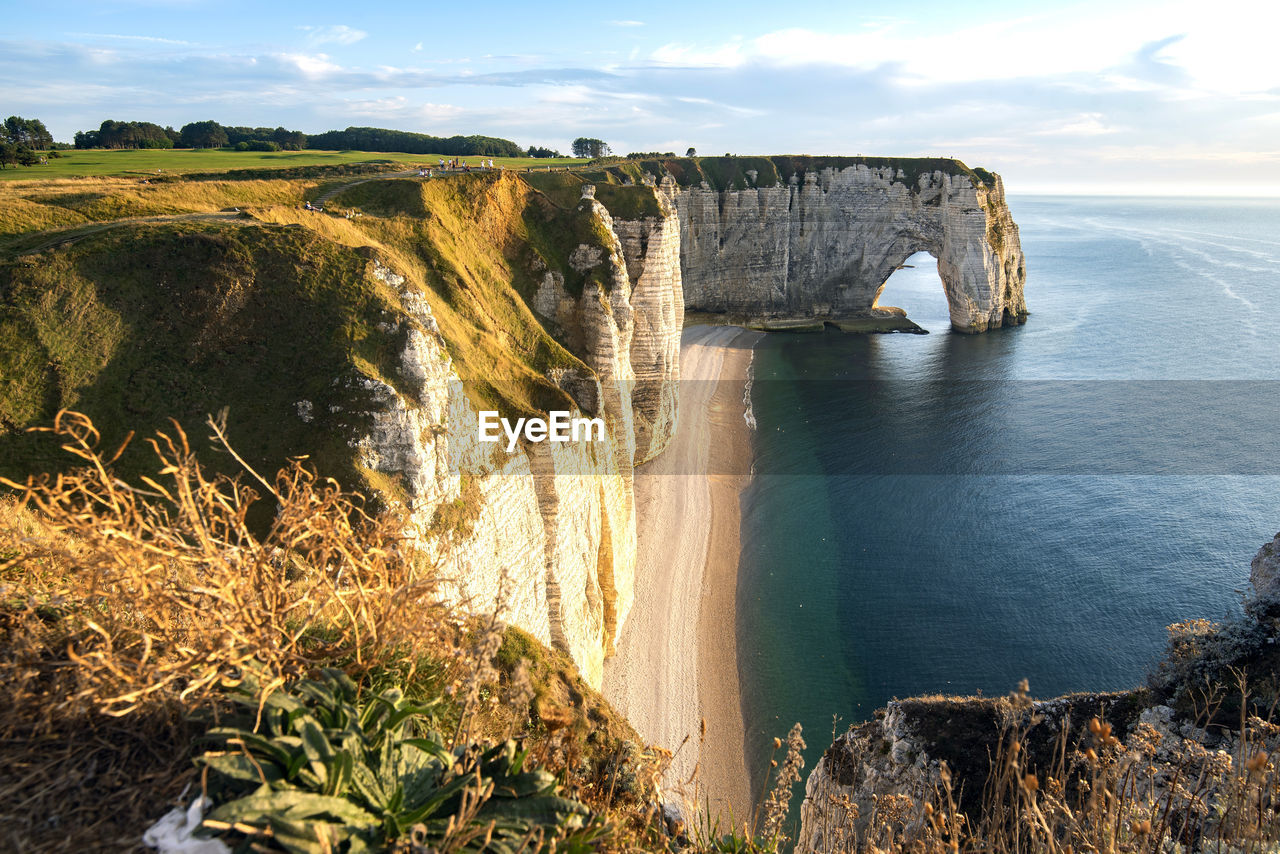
<point>123,608</point>
<point>127,610</point>
<point>165,590</point>
<point>29,206</point>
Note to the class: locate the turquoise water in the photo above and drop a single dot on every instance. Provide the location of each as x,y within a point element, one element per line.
<point>950,513</point>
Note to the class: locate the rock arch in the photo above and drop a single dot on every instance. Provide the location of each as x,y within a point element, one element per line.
<point>823,246</point>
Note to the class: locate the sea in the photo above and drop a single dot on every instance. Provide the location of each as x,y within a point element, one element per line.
<point>950,514</point>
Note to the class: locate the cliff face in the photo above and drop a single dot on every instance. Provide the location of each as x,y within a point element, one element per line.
<point>546,535</point>
<point>651,248</point>
<point>549,531</point>
<point>823,244</point>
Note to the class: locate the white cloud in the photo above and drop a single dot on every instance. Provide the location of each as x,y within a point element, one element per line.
<point>312,65</point>
<point>122,37</point>
<point>1170,46</point>
<point>439,112</point>
<point>1084,124</point>
<point>418,46</point>
<point>339,34</point>
<point>626,23</point>
<point>729,55</point>
<point>707,102</point>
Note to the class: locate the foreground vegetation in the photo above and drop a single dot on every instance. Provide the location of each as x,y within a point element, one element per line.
<point>136,620</point>
<point>301,678</point>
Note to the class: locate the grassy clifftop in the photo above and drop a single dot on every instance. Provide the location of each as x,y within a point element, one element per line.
<point>733,173</point>
<point>136,303</point>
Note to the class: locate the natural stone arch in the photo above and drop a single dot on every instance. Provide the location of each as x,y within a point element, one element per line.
<point>886,289</point>
<point>822,248</point>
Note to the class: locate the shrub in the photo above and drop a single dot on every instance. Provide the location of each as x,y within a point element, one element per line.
<point>311,768</point>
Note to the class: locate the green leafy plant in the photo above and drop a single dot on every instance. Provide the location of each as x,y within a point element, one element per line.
<point>310,768</point>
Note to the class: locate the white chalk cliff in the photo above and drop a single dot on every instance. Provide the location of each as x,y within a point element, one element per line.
<point>822,245</point>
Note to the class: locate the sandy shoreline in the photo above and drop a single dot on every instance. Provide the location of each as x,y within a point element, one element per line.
<point>677,660</point>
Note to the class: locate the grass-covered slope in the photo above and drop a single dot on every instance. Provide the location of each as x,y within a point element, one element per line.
<point>478,245</point>
<point>30,208</point>
<point>618,189</point>
<point>139,303</point>
<point>138,324</point>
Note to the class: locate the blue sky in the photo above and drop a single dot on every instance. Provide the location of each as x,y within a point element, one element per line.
<point>1088,97</point>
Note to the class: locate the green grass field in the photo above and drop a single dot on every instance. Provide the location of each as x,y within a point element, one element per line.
<point>100,162</point>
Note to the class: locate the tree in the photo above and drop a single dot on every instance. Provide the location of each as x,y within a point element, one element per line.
<point>585,146</point>
<point>26,133</point>
<point>207,134</point>
<point>692,152</point>
<point>114,134</point>
<point>12,154</point>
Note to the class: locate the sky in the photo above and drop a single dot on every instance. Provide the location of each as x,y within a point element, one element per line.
<point>1090,97</point>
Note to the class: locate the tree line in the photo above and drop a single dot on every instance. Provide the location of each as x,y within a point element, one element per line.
<point>207,134</point>
<point>211,134</point>
<point>24,138</point>
<point>383,139</point>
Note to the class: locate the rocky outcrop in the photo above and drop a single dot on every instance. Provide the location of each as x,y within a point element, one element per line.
<point>651,248</point>
<point>1264,571</point>
<point>898,757</point>
<point>822,245</point>
<point>1143,744</point>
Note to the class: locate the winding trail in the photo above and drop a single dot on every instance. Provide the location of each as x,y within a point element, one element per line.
<point>408,173</point>
<point>329,194</point>
<point>73,233</point>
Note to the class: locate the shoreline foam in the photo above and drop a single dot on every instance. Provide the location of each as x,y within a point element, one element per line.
<point>676,661</point>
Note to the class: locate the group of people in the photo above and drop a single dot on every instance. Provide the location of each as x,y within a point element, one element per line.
<point>318,208</point>
<point>457,163</point>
